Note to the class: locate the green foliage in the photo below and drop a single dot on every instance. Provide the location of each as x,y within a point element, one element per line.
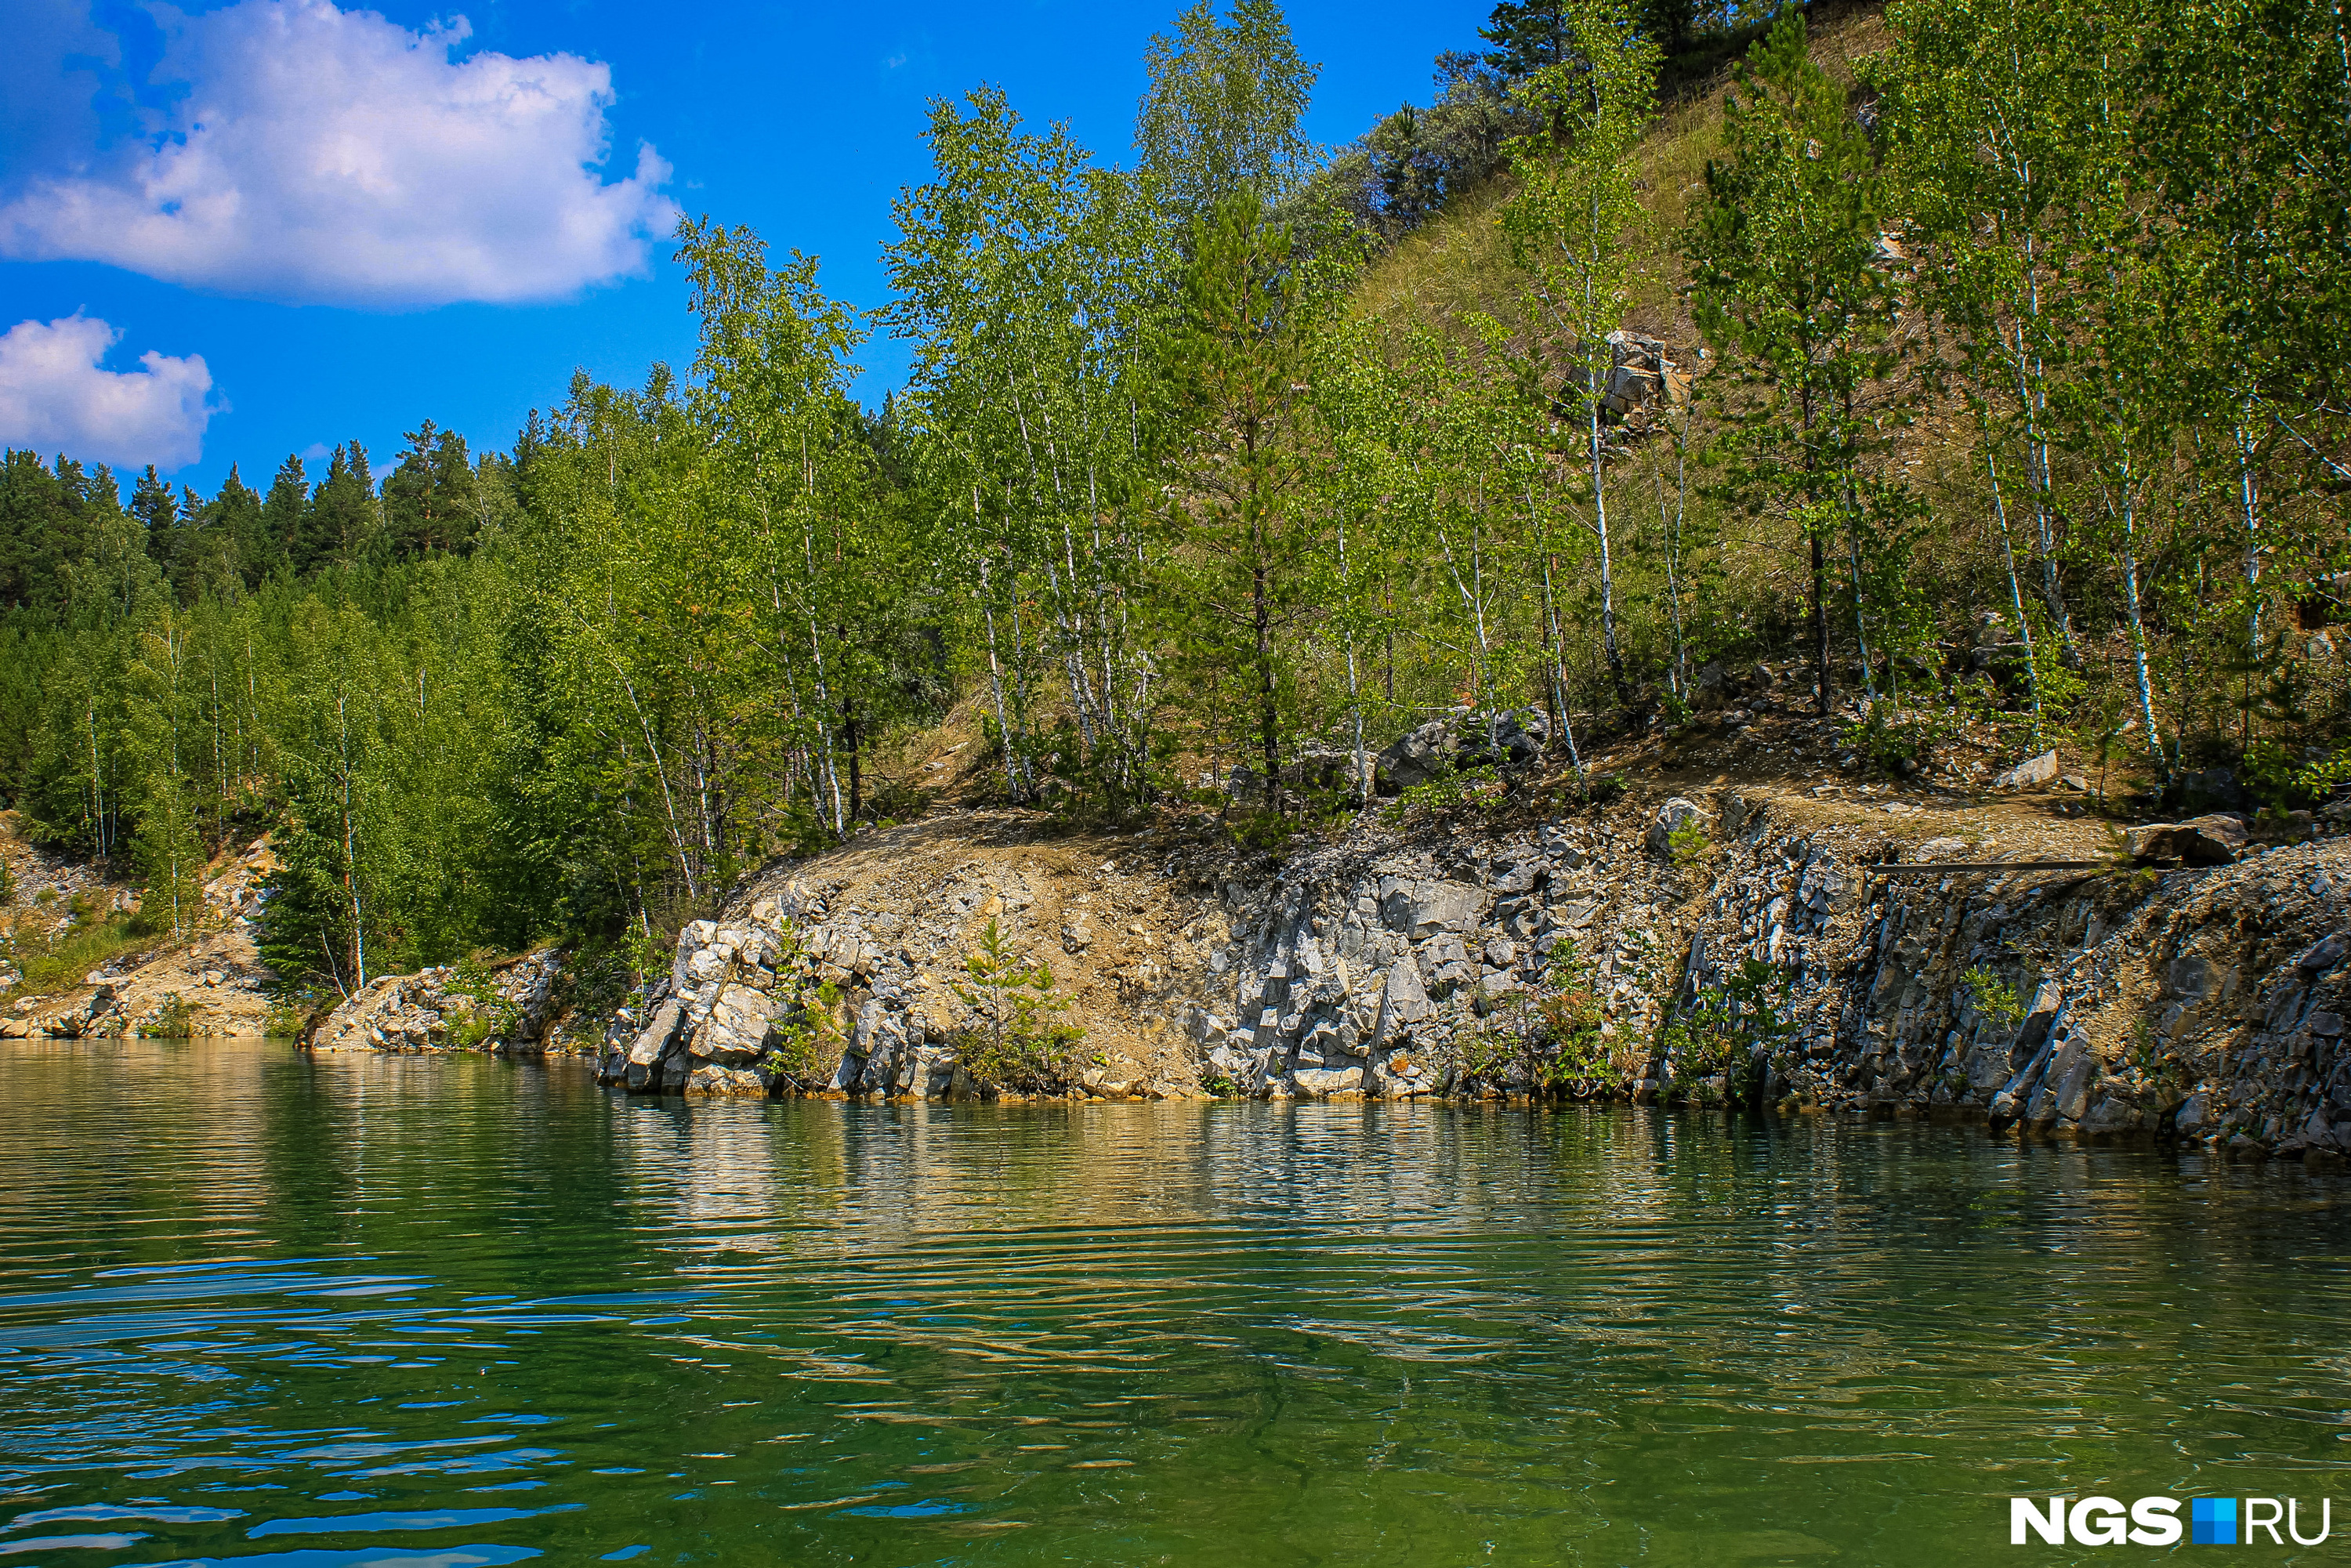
<point>1017,1038</point>
<point>56,960</point>
<point>1688,844</point>
<point>1178,481</point>
<point>489,1016</point>
<point>1793,289</point>
<point>289,1016</point>
<point>1736,1030</point>
<point>1900,740</point>
<point>2318,779</point>
<point>1995,1000</point>
<point>1268,832</point>
<point>810,1028</point>
<point>1452,790</point>
<point>173,1019</point>
<point>1553,1036</point>
<point>1580,1057</point>
<point>1220,116</point>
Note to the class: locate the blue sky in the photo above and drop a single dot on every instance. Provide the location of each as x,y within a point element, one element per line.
<point>232,232</point>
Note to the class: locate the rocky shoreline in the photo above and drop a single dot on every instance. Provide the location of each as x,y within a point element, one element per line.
<point>2202,1000</point>
<point>2196,1002</point>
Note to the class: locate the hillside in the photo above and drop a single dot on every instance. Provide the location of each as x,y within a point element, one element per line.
<point>1793,436</point>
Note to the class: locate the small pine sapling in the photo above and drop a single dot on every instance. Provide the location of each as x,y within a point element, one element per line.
<point>1018,1038</point>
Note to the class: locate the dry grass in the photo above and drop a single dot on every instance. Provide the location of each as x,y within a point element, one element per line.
<point>1461,262</point>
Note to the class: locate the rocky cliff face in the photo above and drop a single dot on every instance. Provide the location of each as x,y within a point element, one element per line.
<point>2204,1003</point>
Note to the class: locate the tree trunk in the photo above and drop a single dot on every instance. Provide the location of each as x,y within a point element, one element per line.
<point>2016,595</point>
<point>2138,625</point>
<point>1268,708</point>
<point>1607,563</point>
<point>1820,622</point>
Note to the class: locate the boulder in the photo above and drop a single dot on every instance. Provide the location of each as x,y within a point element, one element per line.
<point>660,1033</point>
<point>1442,746</point>
<point>1417,758</point>
<point>1117,1079</point>
<point>1403,1002</point>
<point>2200,840</point>
<point>654,1044</point>
<point>1322,1081</point>
<point>1511,739</point>
<point>2030,773</point>
<point>1737,812</point>
<point>1421,907</point>
<point>712,1081</point>
<point>740,1026</point>
<point>1320,766</point>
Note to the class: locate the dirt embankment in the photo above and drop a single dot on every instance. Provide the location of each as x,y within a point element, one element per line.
<point>84,966</point>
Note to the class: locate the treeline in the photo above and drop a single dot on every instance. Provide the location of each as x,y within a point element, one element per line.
<point>2037,315</point>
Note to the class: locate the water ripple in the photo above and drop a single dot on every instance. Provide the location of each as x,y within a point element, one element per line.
<point>338,1301</point>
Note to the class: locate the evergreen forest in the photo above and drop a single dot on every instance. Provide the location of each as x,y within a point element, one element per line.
<point>1662,337</point>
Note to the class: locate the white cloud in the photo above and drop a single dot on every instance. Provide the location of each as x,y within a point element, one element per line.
<point>55,397</point>
<point>333,156</point>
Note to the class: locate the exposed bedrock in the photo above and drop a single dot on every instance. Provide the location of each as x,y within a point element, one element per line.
<point>2205,1002</point>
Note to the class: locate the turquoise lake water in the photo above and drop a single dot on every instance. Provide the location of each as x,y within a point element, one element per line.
<point>416,1313</point>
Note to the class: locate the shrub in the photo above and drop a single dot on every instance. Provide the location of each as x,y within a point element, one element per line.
<point>1736,1030</point>
<point>1994,998</point>
<point>1687,844</point>
<point>811,1032</point>
<point>1478,787</point>
<point>175,1020</point>
<point>1017,1038</point>
<point>57,961</point>
<point>489,1015</point>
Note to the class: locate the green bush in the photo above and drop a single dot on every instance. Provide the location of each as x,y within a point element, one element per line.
<point>1452,790</point>
<point>56,962</point>
<point>175,1020</point>
<point>1737,1030</point>
<point>1994,998</point>
<point>1017,1038</point>
<point>1688,844</point>
<point>489,1015</point>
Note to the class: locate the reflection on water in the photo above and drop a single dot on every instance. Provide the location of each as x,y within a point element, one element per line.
<point>408,1310</point>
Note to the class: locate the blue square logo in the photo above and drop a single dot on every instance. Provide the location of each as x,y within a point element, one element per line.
<point>2212,1522</point>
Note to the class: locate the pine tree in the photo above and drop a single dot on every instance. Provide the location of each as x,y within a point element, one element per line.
<point>284,540</point>
<point>343,524</point>
<point>235,520</point>
<point>1528,36</point>
<point>1792,291</point>
<point>1247,460</point>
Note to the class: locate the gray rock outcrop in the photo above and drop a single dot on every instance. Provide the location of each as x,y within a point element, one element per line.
<point>2030,773</point>
<point>505,1007</point>
<point>2207,1001</point>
